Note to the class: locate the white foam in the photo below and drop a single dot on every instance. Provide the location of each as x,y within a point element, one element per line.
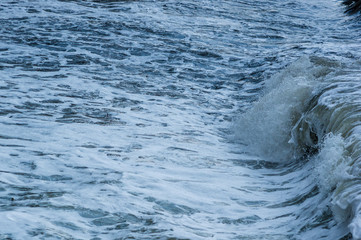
<point>331,162</point>
<point>267,125</point>
<point>334,119</point>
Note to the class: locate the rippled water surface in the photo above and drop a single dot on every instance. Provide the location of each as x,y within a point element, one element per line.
<point>117,118</point>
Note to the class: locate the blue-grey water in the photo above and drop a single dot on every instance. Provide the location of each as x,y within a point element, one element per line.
<point>227,119</point>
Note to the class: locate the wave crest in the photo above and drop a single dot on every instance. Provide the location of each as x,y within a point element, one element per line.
<point>266,127</point>
<point>312,110</point>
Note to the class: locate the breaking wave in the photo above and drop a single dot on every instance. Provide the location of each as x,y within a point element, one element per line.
<point>311,111</point>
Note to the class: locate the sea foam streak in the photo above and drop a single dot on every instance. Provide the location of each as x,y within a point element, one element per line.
<point>312,110</point>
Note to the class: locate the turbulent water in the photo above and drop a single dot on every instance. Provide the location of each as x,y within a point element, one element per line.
<point>185,119</point>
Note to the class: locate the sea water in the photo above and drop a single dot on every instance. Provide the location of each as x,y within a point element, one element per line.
<point>179,120</point>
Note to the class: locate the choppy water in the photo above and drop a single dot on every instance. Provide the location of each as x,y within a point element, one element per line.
<point>179,120</point>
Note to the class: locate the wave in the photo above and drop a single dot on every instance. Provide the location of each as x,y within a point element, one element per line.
<point>311,111</point>
<point>334,118</point>
<point>267,125</point>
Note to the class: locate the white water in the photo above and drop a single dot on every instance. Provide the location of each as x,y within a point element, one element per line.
<point>266,127</point>
<point>117,120</point>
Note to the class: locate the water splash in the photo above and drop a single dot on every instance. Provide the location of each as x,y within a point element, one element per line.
<point>266,127</point>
